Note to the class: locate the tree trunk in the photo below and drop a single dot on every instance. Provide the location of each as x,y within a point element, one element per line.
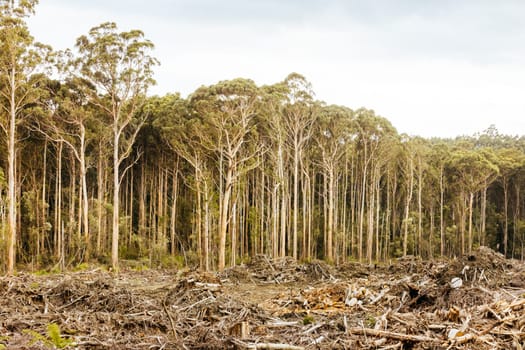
<point>331,208</point>
<point>420,208</point>
<point>206,241</point>
<point>407,204</point>
<point>100,199</point>
<point>11,177</point>
<point>174,197</point>
<point>483,214</point>
<point>42,229</point>
<point>275,221</point>
<point>58,208</point>
<point>223,226</point>
<point>295,199</point>
<point>85,202</point>
<point>470,209</point>
<point>505,215</point>
<point>116,198</point>
<point>362,211</point>
<point>283,222</point>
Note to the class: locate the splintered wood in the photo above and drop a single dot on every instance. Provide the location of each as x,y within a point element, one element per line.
<point>475,302</point>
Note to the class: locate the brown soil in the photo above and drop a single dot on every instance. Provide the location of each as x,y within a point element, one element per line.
<point>273,304</point>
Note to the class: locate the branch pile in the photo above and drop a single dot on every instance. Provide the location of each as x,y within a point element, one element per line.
<point>474,302</point>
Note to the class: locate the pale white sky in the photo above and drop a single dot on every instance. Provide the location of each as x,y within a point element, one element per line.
<point>432,67</point>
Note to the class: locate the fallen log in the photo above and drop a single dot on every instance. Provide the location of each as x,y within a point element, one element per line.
<point>392,335</point>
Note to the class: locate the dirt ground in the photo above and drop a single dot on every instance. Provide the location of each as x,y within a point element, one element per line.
<point>473,302</point>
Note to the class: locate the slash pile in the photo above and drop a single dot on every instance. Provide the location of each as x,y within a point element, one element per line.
<point>473,302</point>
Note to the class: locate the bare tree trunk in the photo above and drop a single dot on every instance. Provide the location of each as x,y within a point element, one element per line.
<point>283,221</point>
<point>353,197</point>
<point>72,192</point>
<point>262,213</point>
<point>483,215</point>
<point>441,212</point>
<point>116,201</point>
<point>516,230</point>
<point>505,215</point>
<point>11,177</point>
<point>370,214</point>
<point>362,211</point>
<point>431,234</point>
<point>407,204</point>
<point>387,224</point>
<point>42,230</point>
<point>58,211</point>
<point>331,208</point>
<point>295,199</point>
<point>378,210</point>
<point>344,242</point>
<point>206,242</point>
<point>223,226</point>
<point>100,199</point>
<point>85,202</point>
<point>463,218</point>
<point>420,208</point>
<point>275,221</point>
<point>470,209</point>
<point>174,197</point>
<point>234,234</point>
<point>198,212</point>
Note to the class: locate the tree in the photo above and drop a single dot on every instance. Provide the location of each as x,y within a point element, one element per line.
<point>437,161</point>
<point>183,132</point>
<point>473,169</point>
<point>299,119</point>
<point>120,68</point>
<point>227,110</point>
<point>509,161</point>
<point>68,123</point>
<point>333,136</point>
<point>20,61</point>
<point>271,120</point>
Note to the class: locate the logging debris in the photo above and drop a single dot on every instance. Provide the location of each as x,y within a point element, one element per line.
<point>273,304</point>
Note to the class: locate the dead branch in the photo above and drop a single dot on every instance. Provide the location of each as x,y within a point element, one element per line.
<point>393,335</point>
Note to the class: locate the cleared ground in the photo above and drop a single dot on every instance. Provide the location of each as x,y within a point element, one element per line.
<point>474,302</point>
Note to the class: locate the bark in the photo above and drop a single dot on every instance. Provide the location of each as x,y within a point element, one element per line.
<point>11,177</point>
<point>441,211</point>
<point>407,204</point>
<point>331,209</point>
<point>470,210</point>
<point>225,206</point>
<point>505,215</point>
<point>116,200</point>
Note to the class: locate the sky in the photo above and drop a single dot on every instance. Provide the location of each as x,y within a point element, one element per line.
<point>434,68</point>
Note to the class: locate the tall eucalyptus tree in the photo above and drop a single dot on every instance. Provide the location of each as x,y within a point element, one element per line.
<point>119,66</point>
<point>21,61</point>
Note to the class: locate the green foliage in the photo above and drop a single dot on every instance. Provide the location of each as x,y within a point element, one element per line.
<point>308,319</point>
<point>3,339</point>
<point>370,321</point>
<point>53,338</point>
<point>3,182</point>
<point>251,145</point>
<point>172,261</point>
<point>55,269</point>
<point>81,267</point>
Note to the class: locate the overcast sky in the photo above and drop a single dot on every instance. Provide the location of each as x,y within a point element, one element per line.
<point>432,67</point>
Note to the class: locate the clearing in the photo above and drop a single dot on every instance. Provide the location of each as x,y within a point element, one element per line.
<point>473,302</point>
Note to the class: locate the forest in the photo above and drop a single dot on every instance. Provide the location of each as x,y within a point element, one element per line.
<point>94,169</point>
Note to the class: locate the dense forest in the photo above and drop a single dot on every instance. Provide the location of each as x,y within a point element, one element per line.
<point>93,168</point>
